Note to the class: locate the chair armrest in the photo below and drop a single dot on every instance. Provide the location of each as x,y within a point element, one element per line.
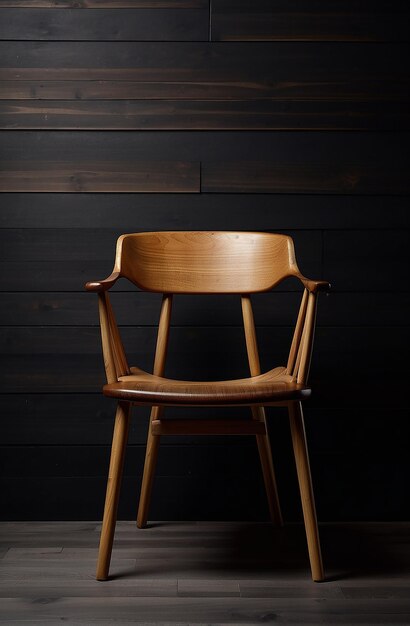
<point>103,285</point>
<point>314,285</point>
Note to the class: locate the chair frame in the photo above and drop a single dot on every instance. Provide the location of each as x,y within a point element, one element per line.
<point>297,369</point>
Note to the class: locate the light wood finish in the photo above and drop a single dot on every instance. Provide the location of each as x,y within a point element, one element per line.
<point>297,428</point>
<point>119,442</point>
<point>115,361</point>
<point>297,335</point>
<point>205,262</point>
<point>143,388</point>
<point>106,339</point>
<point>301,349</point>
<point>258,414</point>
<point>307,339</point>
<point>199,262</point>
<point>120,360</point>
<point>151,453</point>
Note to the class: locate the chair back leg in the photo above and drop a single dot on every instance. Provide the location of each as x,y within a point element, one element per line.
<point>268,471</point>
<point>119,442</point>
<point>297,428</point>
<point>151,453</point>
<point>258,413</point>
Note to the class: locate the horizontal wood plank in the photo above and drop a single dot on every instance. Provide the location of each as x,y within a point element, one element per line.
<point>203,115</point>
<point>91,244</point>
<point>17,276</point>
<point>94,84</point>
<point>307,20</point>
<point>115,176</point>
<point>107,4</point>
<point>68,359</point>
<point>352,271</point>
<point>124,212</point>
<point>285,71</point>
<point>132,24</point>
<point>199,460</point>
<point>76,341</point>
<point>142,309</point>
<point>88,418</point>
<point>223,498</point>
<point>277,162</point>
<point>172,497</point>
<point>281,148</point>
<point>216,177</point>
<point>263,177</point>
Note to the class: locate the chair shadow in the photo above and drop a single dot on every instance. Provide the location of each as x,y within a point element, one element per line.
<point>350,552</point>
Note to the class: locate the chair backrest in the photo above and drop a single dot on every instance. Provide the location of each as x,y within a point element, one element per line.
<point>205,261</point>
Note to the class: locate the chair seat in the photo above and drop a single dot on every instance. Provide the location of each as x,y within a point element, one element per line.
<point>143,388</point>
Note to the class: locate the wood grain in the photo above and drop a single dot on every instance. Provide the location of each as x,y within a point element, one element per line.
<point>255,114</point>
<point>143,388</point>
<point>287,72</point>
<point>299,96</point>
<point>100,176</point>
<point>196,61</point>
<point>205,262</point>
<point>263,177</point>
<point>241,161</point>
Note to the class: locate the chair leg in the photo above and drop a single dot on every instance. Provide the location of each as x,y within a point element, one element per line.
<point>297,428</point>
<point>119,442</point>
<point>268,471</point>
<point>151,455</point>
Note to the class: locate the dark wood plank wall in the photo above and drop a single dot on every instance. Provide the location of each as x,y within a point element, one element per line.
<point>119,116</point>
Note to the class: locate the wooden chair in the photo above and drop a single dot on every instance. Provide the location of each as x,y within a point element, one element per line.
<point>207,263</point>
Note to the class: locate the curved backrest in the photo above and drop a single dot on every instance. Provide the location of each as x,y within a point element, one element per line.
<point>205,261</point>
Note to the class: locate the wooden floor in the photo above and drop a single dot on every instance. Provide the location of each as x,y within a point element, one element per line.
<point>203,573</point>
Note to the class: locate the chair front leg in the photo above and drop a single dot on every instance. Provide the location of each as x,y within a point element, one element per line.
<point>298,433</point>
<point>119,442</point>
<point>151,455</point>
